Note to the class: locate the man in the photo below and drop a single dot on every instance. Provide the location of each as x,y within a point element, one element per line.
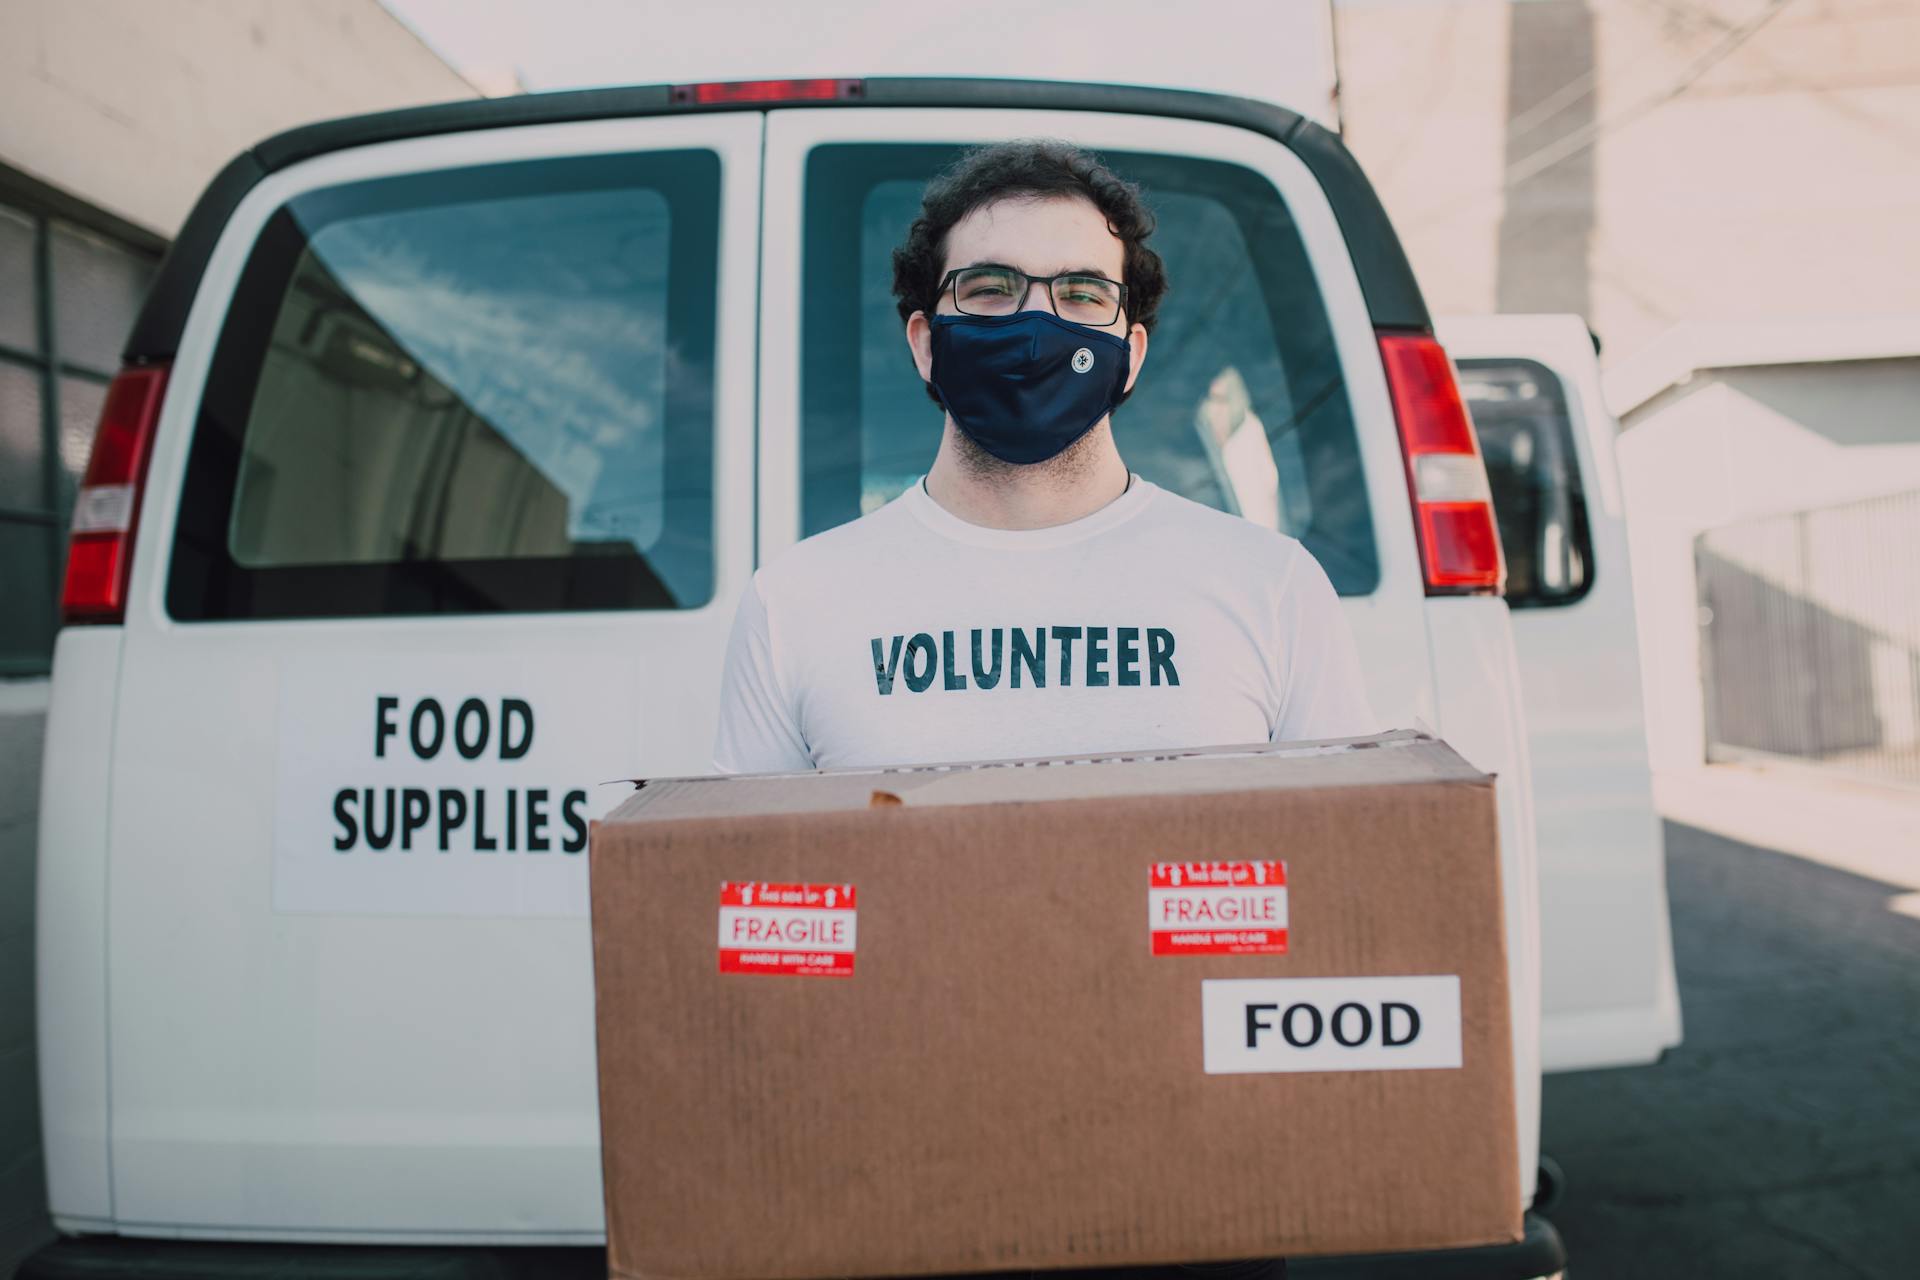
<point>1030,595</point>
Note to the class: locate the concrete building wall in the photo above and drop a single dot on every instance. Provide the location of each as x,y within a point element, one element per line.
<point>1644,163</point>
<point>1671,169</point>
<point>132,107</point>
<point>116,113</point>
<point>1731,444</point>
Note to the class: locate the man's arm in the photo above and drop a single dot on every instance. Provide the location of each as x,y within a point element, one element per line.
<point>757,732</point>
<point>1324,694</point>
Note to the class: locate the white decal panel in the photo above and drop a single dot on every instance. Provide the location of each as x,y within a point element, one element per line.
<point>1330,1024</point>
<point>445,786</point>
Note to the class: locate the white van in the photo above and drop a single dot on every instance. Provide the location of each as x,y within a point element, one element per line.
<point>446,443</point>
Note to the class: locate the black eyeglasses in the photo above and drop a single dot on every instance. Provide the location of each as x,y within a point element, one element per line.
<point>991,289</point>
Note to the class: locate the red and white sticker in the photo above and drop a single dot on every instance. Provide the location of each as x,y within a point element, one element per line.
<point>1218,908</point>
<point>806,930</point>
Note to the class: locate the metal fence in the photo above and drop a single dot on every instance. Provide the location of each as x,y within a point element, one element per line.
<point>1810,637</point>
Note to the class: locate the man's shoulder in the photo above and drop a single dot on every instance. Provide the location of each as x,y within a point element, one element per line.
<point>827,557</point>
<point>1221,533</point>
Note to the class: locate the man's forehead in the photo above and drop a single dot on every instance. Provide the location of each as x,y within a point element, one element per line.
<point>1040,235</point>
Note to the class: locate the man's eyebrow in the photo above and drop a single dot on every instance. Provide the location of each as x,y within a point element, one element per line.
<point>1070,271</point>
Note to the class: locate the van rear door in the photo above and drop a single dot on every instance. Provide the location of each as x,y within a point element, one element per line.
<point>448,511</point>
<point>1532,385</point>
<point>1262,393</point>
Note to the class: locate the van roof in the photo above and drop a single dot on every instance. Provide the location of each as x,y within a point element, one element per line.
<point>1392,295</point>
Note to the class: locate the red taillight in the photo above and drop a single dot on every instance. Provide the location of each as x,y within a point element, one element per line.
<point>765,91</point>
<point>1452,505</point>
<point>101,551</point>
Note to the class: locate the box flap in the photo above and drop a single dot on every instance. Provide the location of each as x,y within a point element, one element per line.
<point>1402,756</point>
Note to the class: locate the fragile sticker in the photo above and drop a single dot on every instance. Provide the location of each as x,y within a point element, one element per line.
<point>803,930</point>
<point>1218,908</point>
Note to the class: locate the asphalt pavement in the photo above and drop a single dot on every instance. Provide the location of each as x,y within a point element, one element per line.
<point>1783,1137</point>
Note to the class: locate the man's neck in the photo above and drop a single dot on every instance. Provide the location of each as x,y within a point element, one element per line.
<point>999,495</point>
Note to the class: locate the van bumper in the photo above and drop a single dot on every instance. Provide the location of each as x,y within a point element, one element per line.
<point>1537,1255</point>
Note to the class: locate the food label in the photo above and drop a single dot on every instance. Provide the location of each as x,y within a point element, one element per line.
<point>1330,1024</point>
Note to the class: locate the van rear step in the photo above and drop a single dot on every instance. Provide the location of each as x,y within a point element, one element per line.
<point>1537,1255</point>
<point>130,1258</point>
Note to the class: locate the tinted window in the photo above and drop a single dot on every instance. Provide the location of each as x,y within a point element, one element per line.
<point>67,298</point>
<point>1241,404</point>
<point>1519,410</point>
<point>474,391</point>
<point>98,286</point>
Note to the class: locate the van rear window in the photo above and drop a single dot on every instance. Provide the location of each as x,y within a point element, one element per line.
<point>1241,404</point>
<point>1519,412</point>
<point>479,390</point>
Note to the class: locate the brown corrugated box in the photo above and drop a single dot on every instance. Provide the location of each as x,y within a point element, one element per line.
<point>1010,1077</point>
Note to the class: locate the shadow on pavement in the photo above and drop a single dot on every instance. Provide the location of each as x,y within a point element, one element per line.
<point>1783,1136</point>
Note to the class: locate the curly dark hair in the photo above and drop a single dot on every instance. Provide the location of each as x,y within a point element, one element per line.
<point>1033,167</point>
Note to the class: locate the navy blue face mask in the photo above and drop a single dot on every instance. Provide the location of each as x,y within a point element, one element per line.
<point>1025,386</point>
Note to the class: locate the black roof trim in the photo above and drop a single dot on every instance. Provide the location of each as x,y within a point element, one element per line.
<point>156,332</point>
<point>465,116</point>
<point>1392,295</point>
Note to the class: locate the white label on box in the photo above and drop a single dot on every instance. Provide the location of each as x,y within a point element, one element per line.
<point>1330,1024</point>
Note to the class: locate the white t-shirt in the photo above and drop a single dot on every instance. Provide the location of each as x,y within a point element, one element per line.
<point>910,636</point>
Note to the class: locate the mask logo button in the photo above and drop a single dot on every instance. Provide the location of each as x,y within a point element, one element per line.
<point>1082,360</point>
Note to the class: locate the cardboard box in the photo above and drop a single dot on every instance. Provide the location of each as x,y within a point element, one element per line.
<point>976,1018</point>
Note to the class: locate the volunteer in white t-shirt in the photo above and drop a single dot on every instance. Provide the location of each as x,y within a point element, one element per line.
<point>1030,595</point>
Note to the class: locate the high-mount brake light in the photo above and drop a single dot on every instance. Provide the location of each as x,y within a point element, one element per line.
<point>1452,502</point>
<point>100,552</point>
<point>721,92</point>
